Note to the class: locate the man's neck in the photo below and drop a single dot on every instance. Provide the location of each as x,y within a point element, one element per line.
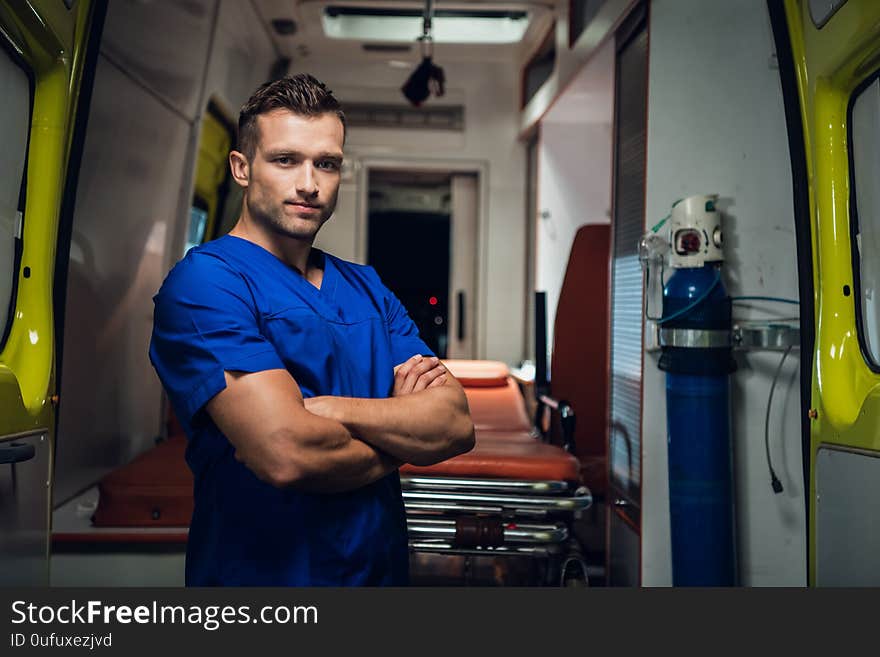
<point>295,253</point>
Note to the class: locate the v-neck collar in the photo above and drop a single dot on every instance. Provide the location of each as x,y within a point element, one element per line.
<point>328,280</point>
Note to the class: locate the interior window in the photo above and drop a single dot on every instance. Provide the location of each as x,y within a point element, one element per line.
<point>865,149</point>
<point>15,90</point>
<point>821,11</point>
<point>198,220</point>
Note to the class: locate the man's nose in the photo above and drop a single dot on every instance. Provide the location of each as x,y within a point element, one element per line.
<point>305,182</point>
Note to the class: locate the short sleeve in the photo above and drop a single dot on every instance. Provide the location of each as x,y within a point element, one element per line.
<point>205,322</point>
<point>405,339</point>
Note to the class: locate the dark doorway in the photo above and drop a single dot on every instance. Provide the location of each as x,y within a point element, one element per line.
<point>408,243</point>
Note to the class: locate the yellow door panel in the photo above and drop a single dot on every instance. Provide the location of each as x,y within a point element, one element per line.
<point>831,61</point>
<point>51,41</point>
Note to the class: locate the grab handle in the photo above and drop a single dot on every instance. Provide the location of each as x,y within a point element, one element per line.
<point>461,315</point>
<point>16,452</point>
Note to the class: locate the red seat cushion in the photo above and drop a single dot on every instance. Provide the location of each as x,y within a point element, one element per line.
<point>156,489</point>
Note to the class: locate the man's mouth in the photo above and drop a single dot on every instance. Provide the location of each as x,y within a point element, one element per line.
<point>303,205</point>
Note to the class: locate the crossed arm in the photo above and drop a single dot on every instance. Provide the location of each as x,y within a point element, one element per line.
<point>333,444</point>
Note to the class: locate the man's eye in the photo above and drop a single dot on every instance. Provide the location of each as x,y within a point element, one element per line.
<point>328,165</point>
<point>283,160</point>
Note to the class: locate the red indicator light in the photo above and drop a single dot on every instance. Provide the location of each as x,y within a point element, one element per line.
<point>433,301</point>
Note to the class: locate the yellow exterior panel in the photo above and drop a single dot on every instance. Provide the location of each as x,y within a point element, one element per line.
<point>831,62</point>
<point>49,43</point>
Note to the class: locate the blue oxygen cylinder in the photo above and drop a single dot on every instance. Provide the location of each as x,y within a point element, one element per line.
<point>698,361</point>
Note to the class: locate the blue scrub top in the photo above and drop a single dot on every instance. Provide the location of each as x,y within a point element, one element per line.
<point>232,305</point>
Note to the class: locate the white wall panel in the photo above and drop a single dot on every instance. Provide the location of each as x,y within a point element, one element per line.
<point>241,56</point>
<point>163,45</point>
<point>574,189</point>
<point>716,125</point>
<point>129,182</point>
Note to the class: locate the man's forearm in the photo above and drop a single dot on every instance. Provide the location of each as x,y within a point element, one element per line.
<point>348,467</point>
<point>324,459</point>
<point>422,428</point>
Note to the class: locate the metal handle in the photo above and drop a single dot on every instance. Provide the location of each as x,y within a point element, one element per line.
<point>566,415</point>
<point>461,315</point>
<point>16,452</point>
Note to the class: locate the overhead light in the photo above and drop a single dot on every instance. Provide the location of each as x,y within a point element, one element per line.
<point>449,25</point>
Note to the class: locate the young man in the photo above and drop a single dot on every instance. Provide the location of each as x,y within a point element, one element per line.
<point>300,380</point>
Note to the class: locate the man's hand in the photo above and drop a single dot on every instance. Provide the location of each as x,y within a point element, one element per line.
<point>418,373</point>
<point>425,421</point>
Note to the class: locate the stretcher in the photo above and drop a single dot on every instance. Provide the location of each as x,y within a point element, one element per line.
<point>513,494</point>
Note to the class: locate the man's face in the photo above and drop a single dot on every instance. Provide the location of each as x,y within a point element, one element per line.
<point>294,175</point>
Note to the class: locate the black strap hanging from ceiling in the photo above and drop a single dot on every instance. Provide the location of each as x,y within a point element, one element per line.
<point>426,39</point>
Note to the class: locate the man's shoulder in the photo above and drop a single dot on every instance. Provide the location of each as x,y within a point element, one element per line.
<point>206,264</point>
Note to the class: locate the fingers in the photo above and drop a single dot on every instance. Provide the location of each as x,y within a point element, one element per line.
<point>439,381</point>
<point>409,376</point>
<point>401,372</point>
<point>405,366</point>
<point>426,379</point>
<point>417,371</point>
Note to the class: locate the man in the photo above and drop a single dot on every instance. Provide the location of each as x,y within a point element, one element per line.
<point>300,380</point>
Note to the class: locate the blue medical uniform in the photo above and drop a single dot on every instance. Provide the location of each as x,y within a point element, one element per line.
<point>232,305</point>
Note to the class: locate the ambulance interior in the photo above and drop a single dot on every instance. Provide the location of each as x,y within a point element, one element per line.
<point>506,214</point>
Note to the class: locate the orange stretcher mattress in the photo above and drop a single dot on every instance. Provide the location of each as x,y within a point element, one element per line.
<point>478,373</point>
<point>494,398</point>
<point>504,447</point>
<point>505,455</point>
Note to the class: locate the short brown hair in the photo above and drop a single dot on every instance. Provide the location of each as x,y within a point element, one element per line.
<point>301,94</point>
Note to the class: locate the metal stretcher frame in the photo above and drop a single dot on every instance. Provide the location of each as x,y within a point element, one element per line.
<point>514,505</point>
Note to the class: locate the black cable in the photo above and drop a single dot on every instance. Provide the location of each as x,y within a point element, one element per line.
<point>774,480</point>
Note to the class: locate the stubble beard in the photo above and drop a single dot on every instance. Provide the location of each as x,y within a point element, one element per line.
<point>274,218</point>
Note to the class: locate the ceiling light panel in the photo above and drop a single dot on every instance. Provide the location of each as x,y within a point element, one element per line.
<point>448,26</point>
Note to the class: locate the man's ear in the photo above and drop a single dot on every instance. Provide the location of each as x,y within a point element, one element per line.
<point>238,165</point>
